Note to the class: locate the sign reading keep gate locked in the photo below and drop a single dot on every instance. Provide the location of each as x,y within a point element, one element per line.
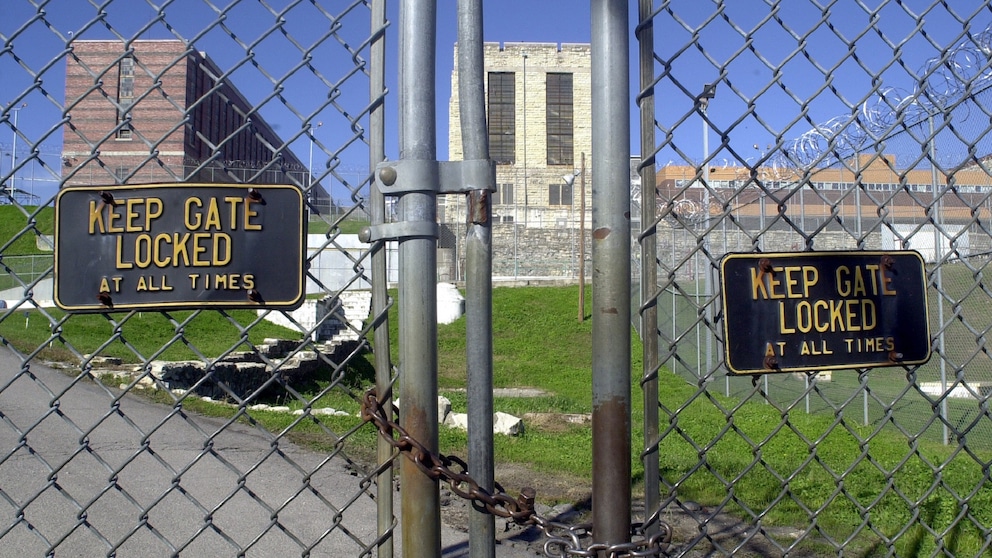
<point>790,312</point>
<point>179,246</point>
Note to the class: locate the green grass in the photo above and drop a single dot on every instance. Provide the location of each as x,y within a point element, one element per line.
<point>136,336</point>
<point>348,225</point>
<point>23,224</point>
<point>748,458</point>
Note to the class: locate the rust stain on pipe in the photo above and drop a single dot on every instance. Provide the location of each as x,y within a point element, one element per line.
<point>601,233</point>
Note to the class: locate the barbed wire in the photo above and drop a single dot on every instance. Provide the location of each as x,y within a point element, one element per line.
<point>945,82</point>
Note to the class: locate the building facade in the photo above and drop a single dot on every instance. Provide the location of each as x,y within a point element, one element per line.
<point>162,112</point>
<point>539,106</point>
<point>869,186</point>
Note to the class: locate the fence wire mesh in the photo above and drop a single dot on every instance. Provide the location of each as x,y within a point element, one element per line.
<point>209,462</point>
<point>901,165</point>
<point>895,460</point>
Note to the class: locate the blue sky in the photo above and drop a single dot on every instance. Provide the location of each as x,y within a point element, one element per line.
<point>776,79</point>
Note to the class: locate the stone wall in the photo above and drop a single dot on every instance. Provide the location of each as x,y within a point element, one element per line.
<point>554,252</point>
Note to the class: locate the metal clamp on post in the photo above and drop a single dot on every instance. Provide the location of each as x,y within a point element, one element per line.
<point>399,231</point>
<point>454,177</point>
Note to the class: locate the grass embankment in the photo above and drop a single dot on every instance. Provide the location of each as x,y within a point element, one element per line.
<point>23,224</point>
<point>789,467</point>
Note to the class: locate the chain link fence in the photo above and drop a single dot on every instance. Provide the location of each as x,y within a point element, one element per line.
<point>210,463</point>
<point>902,165</point>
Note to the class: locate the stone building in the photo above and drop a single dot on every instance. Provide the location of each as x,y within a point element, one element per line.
<point>538,99</point>
<point>539,107</point>
<point>158,111</point>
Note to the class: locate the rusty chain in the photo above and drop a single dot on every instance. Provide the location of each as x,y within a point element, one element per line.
<point>563,540</point>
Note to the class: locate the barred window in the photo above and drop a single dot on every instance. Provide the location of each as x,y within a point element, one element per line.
<point>504,194</point>
<point>125,96</point>
<point>502,117</point>
<point>559,194</point>
<point>560,115</point>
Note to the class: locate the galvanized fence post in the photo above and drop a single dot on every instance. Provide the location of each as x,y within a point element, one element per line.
<point>420,502</point>
<point>611,358</point>
<point>648,238</point>
<point>380,298</point>
<point>478,274</point>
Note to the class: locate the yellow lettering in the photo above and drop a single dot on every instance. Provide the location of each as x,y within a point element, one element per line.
<point>121,264</point>
<point>213,216</point>
<point>791,281</point>
<point>851,315</point>
<point>886,289</point>
<point>192,225</point>
<point>859,282</point>
<point>159,251</point>
<point>222,257</point>
<point>96,219</point>
<point>820,325</point>
<point>111,217</point>
<point>233,201</point>
<point>872,268</point>
<point>198,249</point>
<point>772,283</point>
<point>836,319</point>
<point>143,242</point>
<point>248,281</point>
<point>810,278</point>
<point>843,283</point>
<point>868,316</point>
<point>890,344</point>
<point>132,214</point>
<point>179,248</point>
<point>249,213</point>
<point>104,286</point>
<point>781,320</point>
<point>769,351</point>
<point>192,279</point>
<point>142,286</point>
<point>152,214</point>
<point>757,284</point>
<point>804,316</point>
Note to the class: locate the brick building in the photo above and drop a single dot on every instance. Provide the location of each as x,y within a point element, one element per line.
<point>870,184</point>
<point>538,98</point>
<point>160,112</point>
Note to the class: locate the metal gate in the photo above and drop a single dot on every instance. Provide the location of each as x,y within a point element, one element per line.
<point>764,127</point>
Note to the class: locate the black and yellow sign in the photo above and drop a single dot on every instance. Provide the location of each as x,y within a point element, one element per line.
<point>179,246</point>
<point>807,311</point>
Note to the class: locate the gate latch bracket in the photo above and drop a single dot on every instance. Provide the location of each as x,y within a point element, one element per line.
<point>395,178</point>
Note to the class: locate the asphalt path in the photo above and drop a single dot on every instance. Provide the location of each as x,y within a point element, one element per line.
<point>86,472</point>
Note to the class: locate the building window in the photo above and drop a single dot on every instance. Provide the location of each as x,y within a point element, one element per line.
<point>559,194</point>
<point>125,96</point>
<point>502,117</point>
<point>504,194</point>
<point>559,119</point>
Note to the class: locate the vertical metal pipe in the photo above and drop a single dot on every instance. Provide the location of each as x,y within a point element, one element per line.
<point>938,254</point>
<point>611,272</point>
<point>385,521</point>
<point>582,238</point>
<point>478,274</point>
<point>420,502</point>
<point>649,267</point>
